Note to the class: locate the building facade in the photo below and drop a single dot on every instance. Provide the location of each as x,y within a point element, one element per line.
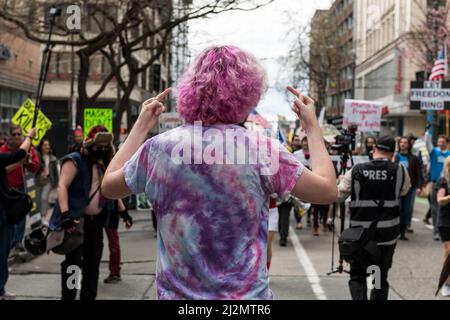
<point>19,72</point>
<point>387,59</point>
<point>332,56</point>
<point>340,86</point>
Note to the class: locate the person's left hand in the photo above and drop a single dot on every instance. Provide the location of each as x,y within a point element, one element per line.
<point>152,109</point>
<point>126,218</point>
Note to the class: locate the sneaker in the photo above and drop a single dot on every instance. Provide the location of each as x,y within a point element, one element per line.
<point>299,226</point>
<point>404,238</point>
<point>316,232</point>
<point>112,279</point>
<point>8,296</point>
<point>446,290</point>
<point>409,230</point>
<point>426,221</point>
<point>436,237</point>
<point>283,242</point>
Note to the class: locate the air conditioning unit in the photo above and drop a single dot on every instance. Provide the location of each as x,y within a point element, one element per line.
<point>5,53</point>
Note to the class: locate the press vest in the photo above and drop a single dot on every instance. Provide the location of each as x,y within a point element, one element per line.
<point>376,187</point>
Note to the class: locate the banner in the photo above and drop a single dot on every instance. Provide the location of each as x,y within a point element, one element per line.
<point>24,118</point>
<point>365,114</point>
<point>95,117</point>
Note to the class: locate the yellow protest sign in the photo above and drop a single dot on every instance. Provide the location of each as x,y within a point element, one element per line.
<point>95,117</point>
<point>24,118</point>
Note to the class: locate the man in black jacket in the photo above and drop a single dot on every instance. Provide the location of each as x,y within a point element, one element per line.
<point>375,188</point>
<point>414,166</point>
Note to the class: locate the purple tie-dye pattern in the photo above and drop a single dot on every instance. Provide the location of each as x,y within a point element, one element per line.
<point>212,219</point>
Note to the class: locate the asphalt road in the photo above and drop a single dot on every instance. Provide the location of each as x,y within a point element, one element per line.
<point>298,271</point>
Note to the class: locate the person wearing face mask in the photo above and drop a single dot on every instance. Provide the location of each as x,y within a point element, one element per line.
<point>81,208</point>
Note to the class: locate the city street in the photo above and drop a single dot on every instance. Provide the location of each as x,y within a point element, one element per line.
<point>298,271</point>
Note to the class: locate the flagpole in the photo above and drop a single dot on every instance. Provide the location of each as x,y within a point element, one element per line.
<point>447,124</point>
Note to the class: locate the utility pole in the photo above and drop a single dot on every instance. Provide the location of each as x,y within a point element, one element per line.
<point>72,103</point>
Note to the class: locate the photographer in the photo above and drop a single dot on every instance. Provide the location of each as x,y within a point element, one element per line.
<point>375,188</point>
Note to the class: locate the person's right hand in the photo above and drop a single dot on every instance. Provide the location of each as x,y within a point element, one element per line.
<point>152,109</point>
<point>32,133</point>
<point>305,109</point>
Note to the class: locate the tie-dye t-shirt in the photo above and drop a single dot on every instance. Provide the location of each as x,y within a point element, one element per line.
<point>212,208</point>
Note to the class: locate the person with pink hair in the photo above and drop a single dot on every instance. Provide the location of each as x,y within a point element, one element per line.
<point>209,180</point>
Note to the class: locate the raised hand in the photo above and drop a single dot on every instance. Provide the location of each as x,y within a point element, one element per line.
<point>152,109</point>
<point>304,108</point>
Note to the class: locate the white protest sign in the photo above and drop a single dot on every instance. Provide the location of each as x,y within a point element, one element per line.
<point>432,96</point>
<point>365,114</point>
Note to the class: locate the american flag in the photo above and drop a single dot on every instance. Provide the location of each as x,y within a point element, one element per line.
<point>440,67</point>
<point>255,117</point>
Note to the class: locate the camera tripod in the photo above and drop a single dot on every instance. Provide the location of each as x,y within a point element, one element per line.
<point>343,169</point>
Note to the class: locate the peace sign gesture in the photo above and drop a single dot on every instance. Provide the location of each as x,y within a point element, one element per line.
<point>152,109</point>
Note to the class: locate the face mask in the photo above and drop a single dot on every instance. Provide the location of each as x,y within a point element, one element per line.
<point>99,154</point>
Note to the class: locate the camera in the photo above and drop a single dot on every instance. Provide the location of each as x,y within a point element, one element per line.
<point>346,141</point>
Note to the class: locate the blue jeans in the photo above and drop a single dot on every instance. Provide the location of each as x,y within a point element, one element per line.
<point>406,209</point>
<point>6,234</point>
<point>19,233</point>
<point>19,229</point>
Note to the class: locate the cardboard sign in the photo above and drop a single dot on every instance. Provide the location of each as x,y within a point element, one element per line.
<point>24,118</point>
<point>95,117</point>
<point>365,114</point>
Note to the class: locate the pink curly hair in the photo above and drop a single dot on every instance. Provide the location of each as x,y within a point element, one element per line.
<point>223,85</point>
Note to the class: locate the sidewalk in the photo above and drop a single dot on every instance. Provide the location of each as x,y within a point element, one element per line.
<point>40,278</point>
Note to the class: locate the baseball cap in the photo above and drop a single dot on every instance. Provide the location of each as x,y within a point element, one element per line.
<point>386,143</point>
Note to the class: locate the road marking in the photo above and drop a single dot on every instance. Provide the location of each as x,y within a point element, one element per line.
<point>307,265</point>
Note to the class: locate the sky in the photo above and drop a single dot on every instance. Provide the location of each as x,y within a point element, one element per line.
<point>266,33</point>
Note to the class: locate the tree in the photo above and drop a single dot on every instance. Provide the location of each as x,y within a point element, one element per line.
<point>429,31</point>
<point>130,35</point>
<point>314,57</point>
